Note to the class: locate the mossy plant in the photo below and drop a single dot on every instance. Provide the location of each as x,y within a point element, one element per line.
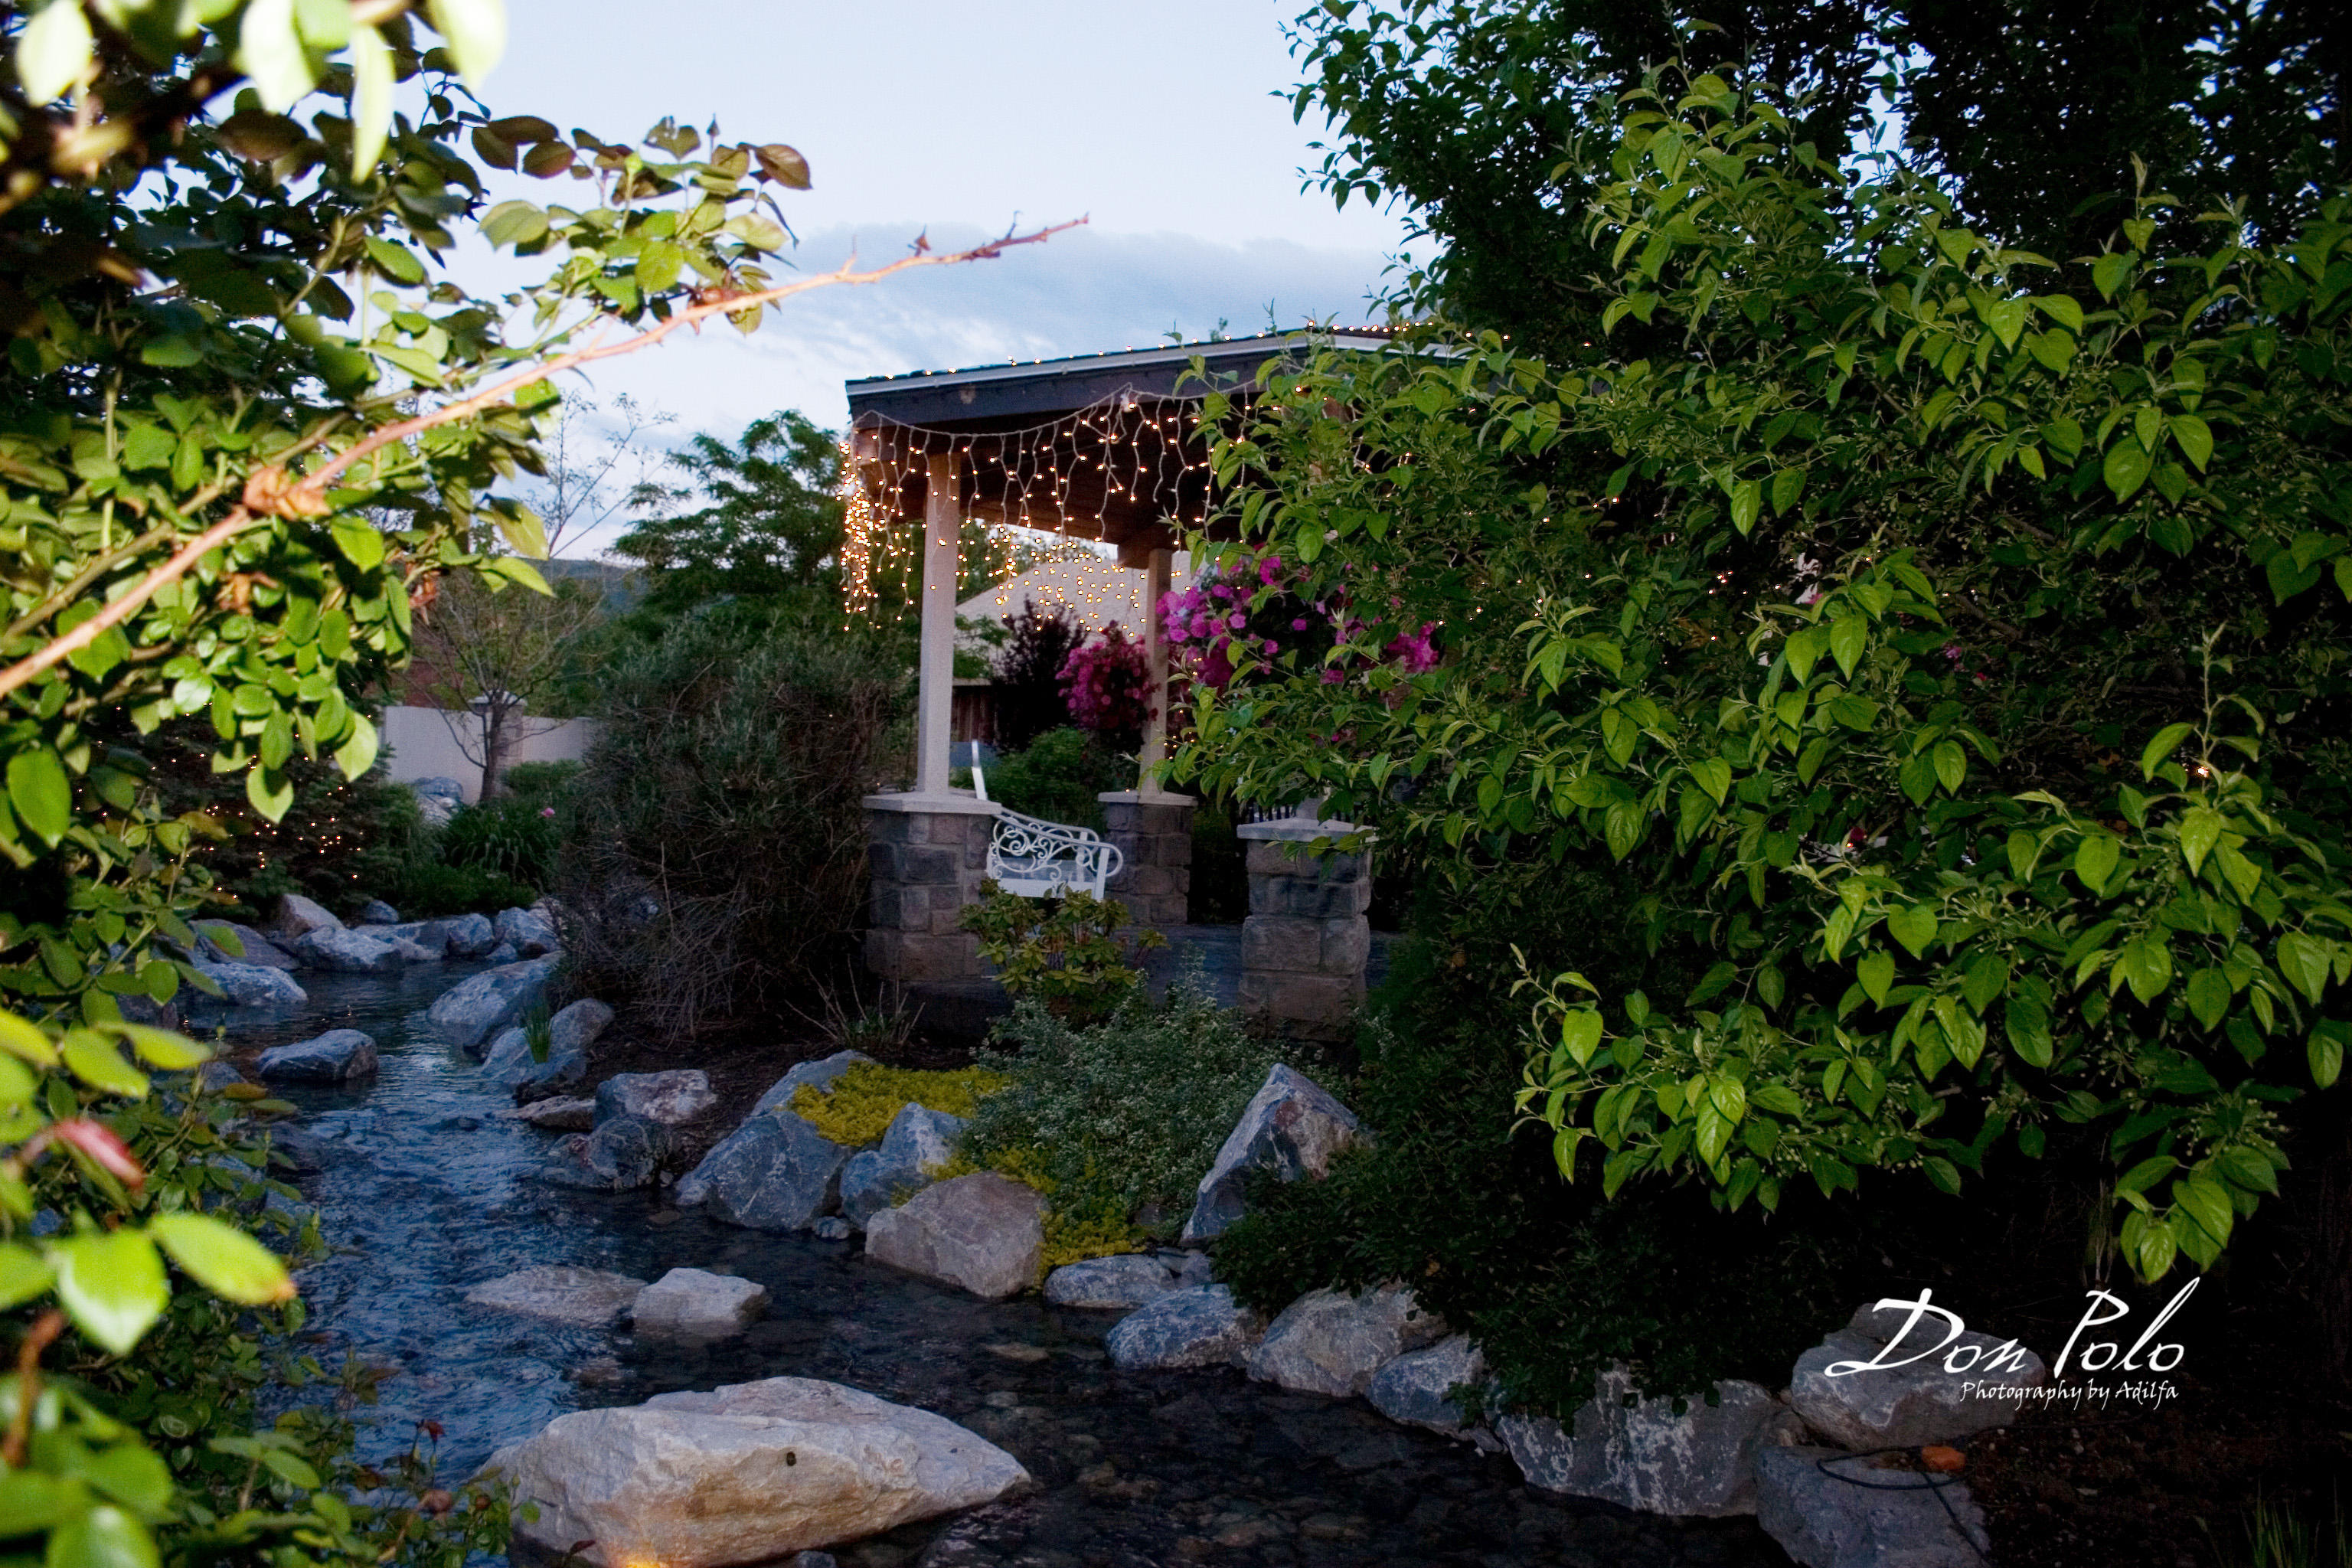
<point>858,1106</point>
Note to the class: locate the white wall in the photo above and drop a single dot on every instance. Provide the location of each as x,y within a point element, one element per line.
<point>424,744</point>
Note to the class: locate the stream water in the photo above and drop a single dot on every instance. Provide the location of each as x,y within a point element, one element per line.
<point>426,1192</point>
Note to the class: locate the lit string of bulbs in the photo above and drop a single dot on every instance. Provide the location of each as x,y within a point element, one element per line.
<point>1141,448</point>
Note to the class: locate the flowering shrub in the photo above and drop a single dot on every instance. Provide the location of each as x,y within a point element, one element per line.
<point>1107,685</point>
<point>1253,612</point>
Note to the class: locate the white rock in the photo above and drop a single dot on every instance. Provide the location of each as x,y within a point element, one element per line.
<point>530,933</point>
<point>347,951</point>
<point>1125,1282</point>
<point>298,916</point>
<point>672,1098</point>
<point>744,1473</point>
<point>1643,1456</point>
<point>1327,1342</point>
<point>983,1232</point>
<point>918,1141</point>
<point>1943,1398</point>
<point>479,1005</point>
<point>554,1115</point>
<point>693,1304</point>
<point>330,1057</point>
<point>591,1298</point>
<point>254,984</point>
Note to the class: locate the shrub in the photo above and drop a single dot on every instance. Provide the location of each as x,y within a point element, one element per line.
<point>1065,952</point>
<point>507,835</point>
<point>430,889</point>
<point>1059,777</point>
<point>542,784</point>
<point>857,1107</point>
<point>719,859</point>
<point>1106,688</point>
<point>1028,683</point>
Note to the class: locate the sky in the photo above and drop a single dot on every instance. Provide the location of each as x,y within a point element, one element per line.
<point>1168,127</point>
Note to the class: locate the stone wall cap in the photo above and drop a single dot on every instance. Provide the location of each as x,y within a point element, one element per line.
<point>1294,830</point>
<point>956,803</point>
<point>1145,797</point>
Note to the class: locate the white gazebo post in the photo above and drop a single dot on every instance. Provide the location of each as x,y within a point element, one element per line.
<point>929,847</point>
<point>1153,827</point>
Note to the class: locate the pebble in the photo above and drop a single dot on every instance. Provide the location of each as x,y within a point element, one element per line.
<point>1018,1352</point>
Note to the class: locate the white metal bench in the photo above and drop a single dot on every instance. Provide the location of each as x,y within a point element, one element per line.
<point>1037,858</point>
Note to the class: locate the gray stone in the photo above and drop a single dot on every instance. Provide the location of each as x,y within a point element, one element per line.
<point>437,800</point>
<point>1416,1387</point>
<point>1201,1326</point>
<point>920,1140</point>
<point>1189,1267</point>
<point>672,1098</point>
<point>376,912</point>
<point>743,1474</point>
<point>254,984</point>
<point>816,1074</point>
<point>503,953</point>
<point>465,936</point>
<point>590,1298</point>
<point>345,952</point>
<point>1918,1392</point>
<point>1328,1343</point>
<point>1290,1127</point>
<point>1641,1454</point>
<point>472,1010</point>
<point>1125,1282</point>
<point>433,936</point>
<point>1822,1520</point>
<point>622,1154</point>
<point>555,1115</point>
<point>983,1232</point>
<point>530,933</point>
<point>694,1304</point>
<point>403,942</point>
<point>298,916</point>
<point>252,946</point>
<point>217,1074</point>
<point>775,1172</point>
<point>833,1228</point>
<point>330,1057</point>
<point>569,1034</point>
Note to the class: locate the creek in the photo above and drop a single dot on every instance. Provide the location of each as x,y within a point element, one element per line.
<point>424,1192</point>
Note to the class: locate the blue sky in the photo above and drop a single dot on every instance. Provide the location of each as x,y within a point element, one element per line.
<point>1158,122</point>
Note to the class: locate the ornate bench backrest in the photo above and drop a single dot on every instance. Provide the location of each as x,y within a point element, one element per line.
<point>1036,858</point>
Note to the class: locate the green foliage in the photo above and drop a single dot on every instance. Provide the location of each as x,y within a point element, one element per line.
<point>542,784</point>
<point>856,1108</point>
<point>770,519</point>
<point>509,836</point>
<point>427,889</point>
<point>719,861</point>
<point>1119,1119</point>
<point>1028,675</point>
<point>1067,953</point>
<point>2275,1535</point>
<point>1060,776</point>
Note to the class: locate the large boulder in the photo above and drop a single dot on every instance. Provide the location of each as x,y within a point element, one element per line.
<point>330,1057</point>
<point>252,947</point>
<point>775,1172</point>
<point>1915,1392</point>
<point>346,951</point>
<point>1417,1388</point>
<point>919,1140</point>
<point>569,1034</point>
<point>818,1074</point>
<point>589,1298</point>
<point>983,1232</point>
<point>463,936</point>
<point>1290,1127</point>
<point>743,1474</point>
<point>1199,1326</point>
<point>433,936</point>
<point>1125,1282</point>
<point>1328,1343</point>
<point>620,1155</point>
<point>555,1115</point>
<point>530,931</point>
<point>253,985</point>
<point>404,940</point>
<point>671,1099</point>
<point>437,799</point>
<point>298,916</point>
<point>376,912</point>
<point>477,1007</point>
<point>695,1304</point>
<point>1640,1454</point>
<point>1829,1510</point>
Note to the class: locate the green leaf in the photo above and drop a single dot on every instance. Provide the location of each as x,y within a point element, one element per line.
<point>658,266</point>
<point>1951,765</point>
<point>22,1275</point>
<point>22,1040</point>
<point>105,1537</point>
<point>1876,972</point>
<point>1804,647</point>
<point>1714,775</point>
<point>2326,1053</point>
<point>223,1258</point>
<point>2201,829</point>
<point>111,1285</point>
<point>357,755</point>
<point>2195,438</point>
<point>527,536</point>
<point>2166,741</point>
<point>53,51</point>
<point>1747,503</point>
<point>360,541</point>
<point>2146,966</point>
<point>2094,861</point>
<point>477,33</point>
<point>2208,1203</point>
<point>2146,1173</point>
<point>2107,273</point>
<point>1943,1174</point>
<point>1915,928</point>
<point>2127,466</point>
<point>1580,1034</point>
<point>1917,778</point>
<point>270,801</point>
<point>2247,1168</point>
<point>270,50</point>
<point>397,262</point>
<point>2025,851</point>
<point>1846,638</point>
<point>2208,997</point>
<point>372,85</point>
<point>39,790</point>
<point>92,1058</point>
<point>2304,960</point>
<point>514,222</point>
<point>1987,977</point>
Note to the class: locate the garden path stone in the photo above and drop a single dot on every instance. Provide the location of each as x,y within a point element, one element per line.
<point>1126,1281</point>
<point>531,932</point>
<point>330,1057</point>
<point>983,1232</point>
<point>1201,1326</point>
<point>744,1473</point>
<point>470,1011</point>
<point>1935,1399</point>
<point>346,951</point>
<point>1824,1521</point>
<point>918,1141</point>
<point>1291,1127</point>
<point>697,1305</point>
<point>298,916</point>
<point>1414,1388</point>
<point>672,1098</point>
<point>1643,1457</point>
<point>560,1292</point>
<point>775,1172</point>
<point>622,1154</point>
<point>253,985</point>
<point>1330,1342</point>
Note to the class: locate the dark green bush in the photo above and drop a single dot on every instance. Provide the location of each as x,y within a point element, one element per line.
<point>542,784</point>
<point>428,889</point>
<point>1058,777</point>
<point>509,836</point>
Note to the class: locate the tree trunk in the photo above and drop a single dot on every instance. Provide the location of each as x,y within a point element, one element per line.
<point>495,740</point>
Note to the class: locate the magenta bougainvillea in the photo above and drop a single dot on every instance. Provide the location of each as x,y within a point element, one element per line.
<point>1250,613</point>
<point>1107,682</point>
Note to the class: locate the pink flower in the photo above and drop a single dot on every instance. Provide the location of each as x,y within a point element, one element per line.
<point>1299,623</point>
<point>547,811</point>
<point>1237,620</point>
<point>1333,676</point>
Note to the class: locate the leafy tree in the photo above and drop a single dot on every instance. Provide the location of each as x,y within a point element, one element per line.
<point>489,656</point>
<point>1951,646</point>
<point>771,519</point>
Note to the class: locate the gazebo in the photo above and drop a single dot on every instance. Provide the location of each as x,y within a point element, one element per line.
<point>1105,446</point>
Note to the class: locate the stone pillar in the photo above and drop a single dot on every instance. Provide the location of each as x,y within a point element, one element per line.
<point>928,854</point>
<point>1304,943</point>
<point>1154,832</point>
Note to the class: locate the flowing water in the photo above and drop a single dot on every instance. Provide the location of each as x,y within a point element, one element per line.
<point>426,1192</point>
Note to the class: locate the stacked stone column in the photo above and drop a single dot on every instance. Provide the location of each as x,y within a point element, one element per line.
<point>1304,943</point>
<point>928,858</point>
<point>1154,833</point>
